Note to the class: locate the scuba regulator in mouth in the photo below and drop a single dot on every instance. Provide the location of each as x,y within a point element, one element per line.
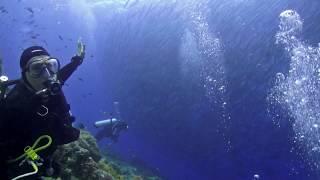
<point>53,86</point>
<point>50,87</point>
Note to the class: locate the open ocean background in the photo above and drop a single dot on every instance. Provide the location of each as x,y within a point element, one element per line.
<point>211,89</point>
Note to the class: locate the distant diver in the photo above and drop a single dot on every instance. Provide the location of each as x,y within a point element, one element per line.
<point>35,115</point>
<point>111,127</point>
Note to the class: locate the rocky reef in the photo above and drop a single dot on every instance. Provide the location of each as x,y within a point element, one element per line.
<point>81,160</point>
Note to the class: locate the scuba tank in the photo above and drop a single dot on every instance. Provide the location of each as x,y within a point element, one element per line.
<point>3,79</point>
<point>3,87</point>
<point>105,122</point>
<point>4,82</point>
<point>111,120</point>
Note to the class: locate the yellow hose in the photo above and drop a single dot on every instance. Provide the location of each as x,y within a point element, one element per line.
<point>32,149</point>
<point>30,153</point>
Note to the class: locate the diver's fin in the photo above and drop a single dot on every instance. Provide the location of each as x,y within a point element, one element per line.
<point>117,110</point>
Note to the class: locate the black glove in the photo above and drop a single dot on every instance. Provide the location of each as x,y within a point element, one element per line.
<point>77,59</point>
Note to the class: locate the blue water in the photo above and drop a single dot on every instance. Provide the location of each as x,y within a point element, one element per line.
<point>193,78</point>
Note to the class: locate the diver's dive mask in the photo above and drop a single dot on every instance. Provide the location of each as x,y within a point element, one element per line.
<point>40,65</point>
<point>41,73</point>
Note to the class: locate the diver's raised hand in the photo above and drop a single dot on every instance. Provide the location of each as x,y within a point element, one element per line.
<point>81,48</point>
<point>78,58</point>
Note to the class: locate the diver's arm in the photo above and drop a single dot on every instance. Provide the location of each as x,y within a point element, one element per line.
<point>68,69</point>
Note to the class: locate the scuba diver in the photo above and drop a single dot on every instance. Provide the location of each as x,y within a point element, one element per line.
<point>111,127</point>
<point>35,115</point>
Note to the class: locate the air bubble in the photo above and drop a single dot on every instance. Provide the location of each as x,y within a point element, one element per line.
<point>298,82</point>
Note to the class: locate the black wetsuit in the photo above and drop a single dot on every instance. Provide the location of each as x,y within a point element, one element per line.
<point>21,124</point>
<point>106,132</point>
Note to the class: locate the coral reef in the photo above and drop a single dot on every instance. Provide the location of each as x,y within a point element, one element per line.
<point>81,160</point>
